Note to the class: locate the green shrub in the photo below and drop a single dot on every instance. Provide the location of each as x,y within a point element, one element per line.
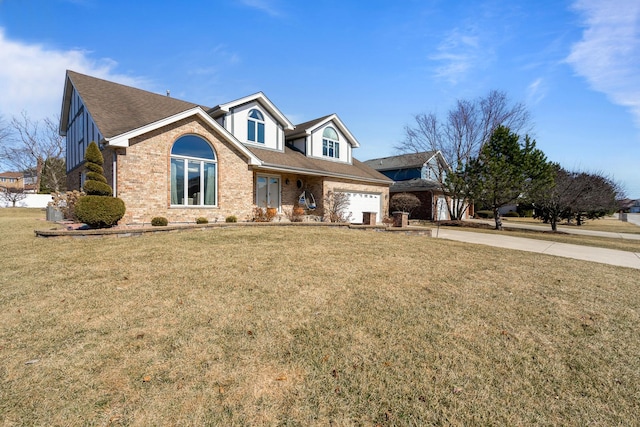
<point>95,176</point>
<point>231,218</point>
<point>512,214</point>
<point>97,188</point>
<point>525,211</point>
<point>202,220</point>
<point>159,221</point>
<point>99,211</point>
<point>484,214</point>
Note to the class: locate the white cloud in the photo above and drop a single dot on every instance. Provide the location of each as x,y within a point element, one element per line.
<point>262,5</point>
<point>458,54</point>
<point>32,76</point>
<point>608,55</point>
<point>536,91</point>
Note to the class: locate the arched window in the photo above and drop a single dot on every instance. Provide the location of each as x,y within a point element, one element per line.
<point>193,172</point>
<point>255,126</point>
<point>330,144</point>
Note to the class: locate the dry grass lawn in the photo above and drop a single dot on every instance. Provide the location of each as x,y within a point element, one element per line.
<point>308,326</point>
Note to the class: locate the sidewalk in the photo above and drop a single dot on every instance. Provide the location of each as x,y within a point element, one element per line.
<point>564,229</point>
<point>585,253</point>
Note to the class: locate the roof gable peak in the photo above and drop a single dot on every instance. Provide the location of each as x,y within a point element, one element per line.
<point>259,97</point>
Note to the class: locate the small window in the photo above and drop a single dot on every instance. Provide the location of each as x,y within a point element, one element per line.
<point>330,144</point>
<point>255,126</point>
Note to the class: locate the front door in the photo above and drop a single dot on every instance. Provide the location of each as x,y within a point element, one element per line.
<point>268,191</point>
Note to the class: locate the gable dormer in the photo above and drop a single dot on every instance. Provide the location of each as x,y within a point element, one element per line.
<point>325,138</point>
<point>254,120</point>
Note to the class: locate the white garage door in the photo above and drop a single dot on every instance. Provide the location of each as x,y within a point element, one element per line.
<point>363,202</point>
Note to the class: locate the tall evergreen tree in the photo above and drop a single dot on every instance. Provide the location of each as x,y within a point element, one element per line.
<point>507,170</point>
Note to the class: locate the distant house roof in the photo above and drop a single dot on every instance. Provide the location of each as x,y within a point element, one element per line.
<point>294,161</point>
<point>628,203</point>
<point>402,161</point>
<point>15,175</point>
<point>416,184</point>
<point>116,108</point>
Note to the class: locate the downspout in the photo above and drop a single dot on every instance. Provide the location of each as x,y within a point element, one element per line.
<point>115,173</point>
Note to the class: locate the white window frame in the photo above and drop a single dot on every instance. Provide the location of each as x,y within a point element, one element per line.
<point>279,178</point>
<point>201,162</point>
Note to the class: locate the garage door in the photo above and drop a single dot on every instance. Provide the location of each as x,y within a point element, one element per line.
<point>363,202</point>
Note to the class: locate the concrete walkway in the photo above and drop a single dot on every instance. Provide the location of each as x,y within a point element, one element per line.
<point>585,253</point>
<point>564,229</point>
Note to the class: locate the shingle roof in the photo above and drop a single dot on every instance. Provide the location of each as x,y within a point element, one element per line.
<point>18,175</point>
<point>301,128</point>
<point>415,184</point>
<point>117,108</point>
<point>293,160</point>
<point>403,161</point>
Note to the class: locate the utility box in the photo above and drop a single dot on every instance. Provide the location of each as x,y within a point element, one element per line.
<point>53,214</point>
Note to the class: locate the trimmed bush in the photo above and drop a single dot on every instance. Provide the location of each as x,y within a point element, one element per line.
<point>95,176</point>
<point>97,188</point>
<point>99,211</point>
<point>512,214</point>
<point>231,218</point>
<point>202,220</point>
<point>405,202</point>
<point>159,221</point>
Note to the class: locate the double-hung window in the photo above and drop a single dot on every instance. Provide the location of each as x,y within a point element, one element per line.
<point>255,126</point>
<point>193,172</point>
<point>330,144</point>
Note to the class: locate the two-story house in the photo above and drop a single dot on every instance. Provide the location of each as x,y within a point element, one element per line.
<point>12,180</point>
<point>172,158</point>
<point>419,174</point>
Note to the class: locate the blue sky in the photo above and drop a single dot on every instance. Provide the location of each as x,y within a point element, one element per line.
<point>575,64</point>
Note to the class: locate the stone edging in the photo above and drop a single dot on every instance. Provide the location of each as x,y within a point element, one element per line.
<point>130,232</point>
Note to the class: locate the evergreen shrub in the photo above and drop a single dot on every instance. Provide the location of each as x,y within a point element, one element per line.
<point>99,211</point>
<point>159,221</point>
<point>98,208</point>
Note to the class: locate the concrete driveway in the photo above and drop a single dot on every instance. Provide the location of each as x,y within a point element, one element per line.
<point>585,253</point>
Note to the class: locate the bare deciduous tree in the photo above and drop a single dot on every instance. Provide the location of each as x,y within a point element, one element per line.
<point>27,145</point>
<point>460,135</point>
<point>335,206</point>
<point>575,196</point>
<point>12,195</point>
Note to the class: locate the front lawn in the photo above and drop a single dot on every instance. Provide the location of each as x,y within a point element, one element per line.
<point>309,326</point>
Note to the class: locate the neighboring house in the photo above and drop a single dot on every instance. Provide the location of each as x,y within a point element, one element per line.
<point>630,206</point>
<point>419,174</point>
<point>12,180</point>
<point>172,158</point>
